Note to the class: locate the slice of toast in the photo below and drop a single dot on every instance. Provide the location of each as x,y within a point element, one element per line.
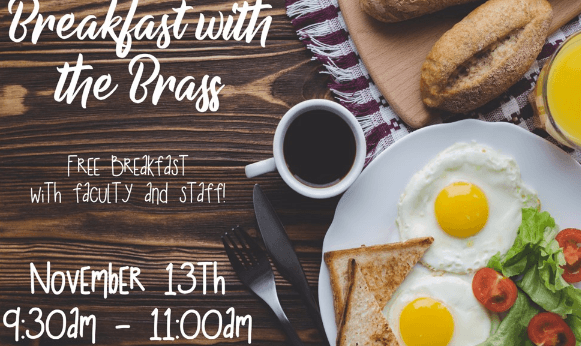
<point>384,266</point>
<point>362,324</point>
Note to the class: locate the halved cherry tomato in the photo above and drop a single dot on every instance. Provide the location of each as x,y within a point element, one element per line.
<point>549,329</point>
<point>496,292</point>
<point>569,239</point>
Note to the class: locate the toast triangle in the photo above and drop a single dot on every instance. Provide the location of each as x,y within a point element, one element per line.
<point>384,267</point>
<point>361,306</point>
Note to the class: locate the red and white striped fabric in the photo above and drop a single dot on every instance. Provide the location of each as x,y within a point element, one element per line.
<point>320,25</point>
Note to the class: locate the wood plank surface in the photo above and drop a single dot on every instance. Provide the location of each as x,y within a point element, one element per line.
<point>37,134</point>
<point>393,53</point>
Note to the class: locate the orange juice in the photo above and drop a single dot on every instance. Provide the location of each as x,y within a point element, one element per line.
<point>564,90</point>
<point>557,96</point>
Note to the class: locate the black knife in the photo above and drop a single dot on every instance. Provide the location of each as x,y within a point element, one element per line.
<point>280,249</point>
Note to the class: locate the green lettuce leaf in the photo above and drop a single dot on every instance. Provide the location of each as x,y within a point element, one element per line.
<point>534,223</point>
<point>558,302</point>
<point>551,260</point>
<point>575,296</point>
<point>575,323</point>
<point>536,259</point>
<point>530,241</point>
<point>513,328</point>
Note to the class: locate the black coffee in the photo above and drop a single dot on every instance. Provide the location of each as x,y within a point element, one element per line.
<point>319,148</point>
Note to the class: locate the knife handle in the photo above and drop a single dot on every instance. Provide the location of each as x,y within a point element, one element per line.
<point>315,313</point>
<point>290,332</point>
<point>299,281</point>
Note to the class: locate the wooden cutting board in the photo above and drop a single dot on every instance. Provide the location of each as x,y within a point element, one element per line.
<point>393,53</point>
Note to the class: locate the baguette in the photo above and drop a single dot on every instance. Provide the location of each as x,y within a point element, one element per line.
<point>391,11</point>
<point>484,54</point>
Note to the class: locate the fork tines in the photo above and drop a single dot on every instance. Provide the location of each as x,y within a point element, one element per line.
<point>241,249</point>
<point>252,266</point>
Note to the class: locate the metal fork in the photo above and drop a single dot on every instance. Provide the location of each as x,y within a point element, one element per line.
<point>253,268</point>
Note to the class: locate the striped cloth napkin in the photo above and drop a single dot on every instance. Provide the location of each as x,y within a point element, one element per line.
<point>321,27</point>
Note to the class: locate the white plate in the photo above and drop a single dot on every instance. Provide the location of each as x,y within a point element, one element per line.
<point>366,213</point>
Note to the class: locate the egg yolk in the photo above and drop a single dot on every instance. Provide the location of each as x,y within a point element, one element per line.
<point>461,209</point>
<point>426,322</point>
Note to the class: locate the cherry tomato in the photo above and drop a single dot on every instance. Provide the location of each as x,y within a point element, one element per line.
<point>496,292</point>
<point>549,329</point>
<point>569,239</point>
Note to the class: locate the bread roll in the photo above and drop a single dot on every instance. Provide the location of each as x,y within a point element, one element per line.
<point>399,10</point>
<point>484,54</point>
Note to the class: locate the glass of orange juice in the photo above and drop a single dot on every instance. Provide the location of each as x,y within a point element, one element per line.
<point>557,96</point>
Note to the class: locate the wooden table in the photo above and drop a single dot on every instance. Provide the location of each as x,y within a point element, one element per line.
<point>37,134</point>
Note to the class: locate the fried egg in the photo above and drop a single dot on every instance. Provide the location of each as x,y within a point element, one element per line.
<point>432,310</point>
<point>470,199</point>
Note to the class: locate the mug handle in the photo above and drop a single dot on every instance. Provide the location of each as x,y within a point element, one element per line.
<point>260,167</point>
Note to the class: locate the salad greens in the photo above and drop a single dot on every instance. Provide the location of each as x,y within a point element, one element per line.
<point>513,328</point>
<point>535,245</point>
<point>558,302</point>
<point>534,262</point>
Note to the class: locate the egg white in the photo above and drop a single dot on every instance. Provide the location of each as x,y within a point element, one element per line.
<point>497,175</point>
<point>473,324</point>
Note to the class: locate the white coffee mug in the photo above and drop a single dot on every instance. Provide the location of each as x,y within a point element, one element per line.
<point>278,161</point>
